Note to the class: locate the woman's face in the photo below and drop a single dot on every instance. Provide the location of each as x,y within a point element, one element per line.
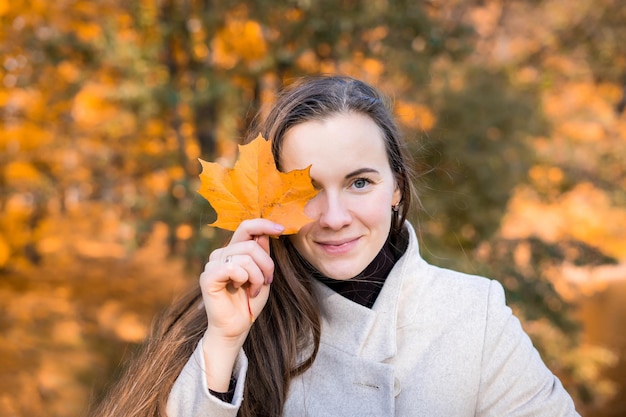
<point>352,211</point>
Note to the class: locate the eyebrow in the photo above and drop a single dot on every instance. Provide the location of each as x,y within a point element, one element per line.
<point>361,171</point>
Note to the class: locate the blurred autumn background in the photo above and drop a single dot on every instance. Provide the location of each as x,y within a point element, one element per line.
<point>514,111</point>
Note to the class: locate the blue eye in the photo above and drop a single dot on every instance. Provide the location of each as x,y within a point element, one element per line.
<point>360,183</point>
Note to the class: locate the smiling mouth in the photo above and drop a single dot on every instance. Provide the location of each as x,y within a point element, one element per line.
<point>338,247</point>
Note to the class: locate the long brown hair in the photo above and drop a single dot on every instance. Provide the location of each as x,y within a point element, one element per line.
<point>284,340</point>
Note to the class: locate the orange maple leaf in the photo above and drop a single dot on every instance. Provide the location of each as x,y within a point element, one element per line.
<point>254,188</point>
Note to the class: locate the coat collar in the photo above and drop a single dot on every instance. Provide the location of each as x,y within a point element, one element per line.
<point>358,330</point>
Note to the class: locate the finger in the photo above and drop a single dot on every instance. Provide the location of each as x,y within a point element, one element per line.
<point>240,270</point>
<point>264,242</point>
<point>251,248</point>
<point>216,277</point>
<point>258,303</point>
<point>260,255</point>
<point>255,278</point>
<point>249,229</point>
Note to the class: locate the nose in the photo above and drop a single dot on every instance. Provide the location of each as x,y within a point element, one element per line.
<point>334,213</point>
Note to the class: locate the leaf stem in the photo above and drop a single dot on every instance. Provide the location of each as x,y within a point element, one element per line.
<point>249,308</point>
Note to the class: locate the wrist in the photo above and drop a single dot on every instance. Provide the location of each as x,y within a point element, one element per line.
<point>220,355</point>
<point>228,395</point>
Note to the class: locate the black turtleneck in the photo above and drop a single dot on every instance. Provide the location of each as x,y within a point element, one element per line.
<point>365,287</point>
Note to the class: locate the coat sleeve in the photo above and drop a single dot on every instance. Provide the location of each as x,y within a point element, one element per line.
<point>190,395</point>
<point>514,380</point>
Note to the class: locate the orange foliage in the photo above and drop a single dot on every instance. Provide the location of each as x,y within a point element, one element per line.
<point>4,7</point>
<point>57,313</point>
<point>5,251</point>
<point>415,115</point>
<point>584,214</point>
<point>238,39</point>
<point>91,106</point>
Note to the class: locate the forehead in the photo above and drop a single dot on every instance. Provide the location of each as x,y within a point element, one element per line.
<point>342,140</point>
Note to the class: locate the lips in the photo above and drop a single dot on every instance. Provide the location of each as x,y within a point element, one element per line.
<point>338,247</point>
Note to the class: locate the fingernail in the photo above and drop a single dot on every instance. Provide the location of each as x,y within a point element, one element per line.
<point>278,227</point>
<point>257,292</point>
<point>269,279</point>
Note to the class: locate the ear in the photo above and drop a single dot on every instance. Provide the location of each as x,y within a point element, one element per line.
<point>397,196</point>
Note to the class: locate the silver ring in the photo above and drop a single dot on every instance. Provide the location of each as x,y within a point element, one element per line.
<point>228,259</point>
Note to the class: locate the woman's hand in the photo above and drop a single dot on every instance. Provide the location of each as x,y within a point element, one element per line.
<point>236,275</point>
<point>235,286</point>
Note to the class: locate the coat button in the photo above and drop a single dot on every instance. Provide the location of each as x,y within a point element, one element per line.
<point>396,387</point>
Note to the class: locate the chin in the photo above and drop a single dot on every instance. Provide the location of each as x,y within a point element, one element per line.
<point>340,274</point>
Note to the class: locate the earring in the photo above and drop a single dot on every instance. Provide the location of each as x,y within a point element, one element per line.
<point>395,207</point>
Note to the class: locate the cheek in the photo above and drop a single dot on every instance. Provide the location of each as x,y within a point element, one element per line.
<point>298,240</point>
<point>310,209</point>
<point>313,210</point>
<point>377,213</point>
<point>380,216</point>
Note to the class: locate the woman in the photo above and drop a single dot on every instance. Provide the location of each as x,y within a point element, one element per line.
<point>350,321</point>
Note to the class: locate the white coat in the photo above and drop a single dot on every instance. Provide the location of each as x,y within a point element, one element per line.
<point>436,343</point>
